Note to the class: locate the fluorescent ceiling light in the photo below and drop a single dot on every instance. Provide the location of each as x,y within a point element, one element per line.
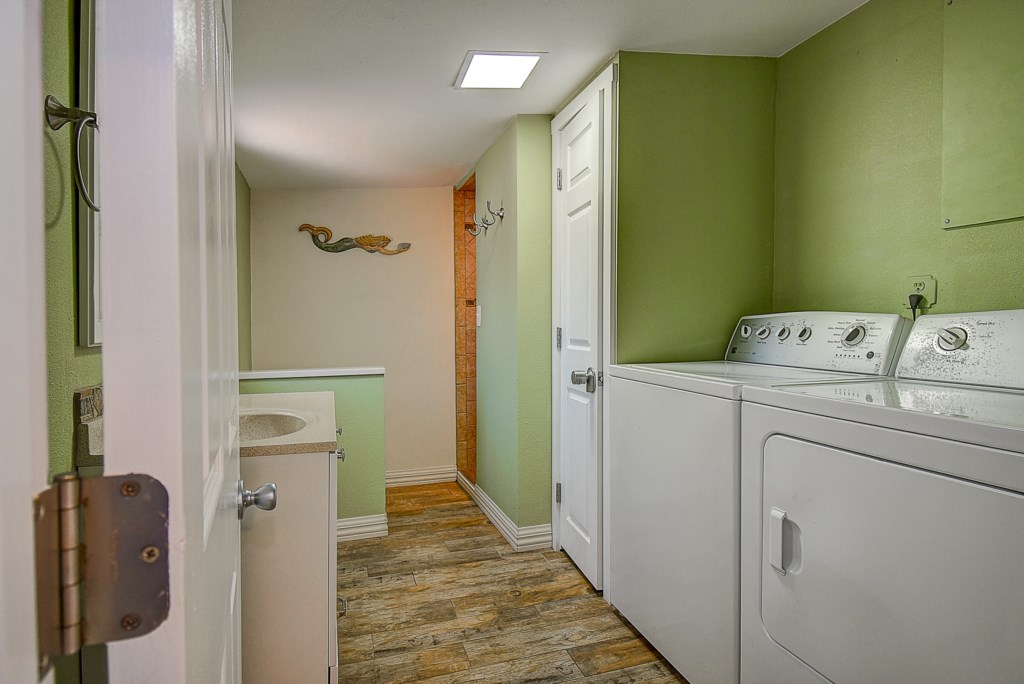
<point>496,69</point>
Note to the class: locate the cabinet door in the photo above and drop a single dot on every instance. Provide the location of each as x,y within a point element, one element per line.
<point>892,574</point>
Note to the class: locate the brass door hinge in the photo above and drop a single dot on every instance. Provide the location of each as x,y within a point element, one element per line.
<point>101,562</point>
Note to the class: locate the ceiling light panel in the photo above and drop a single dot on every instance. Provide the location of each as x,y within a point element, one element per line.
<point>496,69</point>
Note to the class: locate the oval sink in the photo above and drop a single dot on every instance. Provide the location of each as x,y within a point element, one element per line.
<point>253,426</point>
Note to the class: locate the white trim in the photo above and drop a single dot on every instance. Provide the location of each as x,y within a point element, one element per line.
<point>310,373</point>
<point>605,83</point>
<point>532,538</point>
<point>417,476</point>
<point>362,527</point>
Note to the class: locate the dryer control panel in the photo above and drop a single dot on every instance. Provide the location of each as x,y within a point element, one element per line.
<point>970,348</point>
<point>821,340</point>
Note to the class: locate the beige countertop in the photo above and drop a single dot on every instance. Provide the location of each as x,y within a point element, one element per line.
<point>315,408</point>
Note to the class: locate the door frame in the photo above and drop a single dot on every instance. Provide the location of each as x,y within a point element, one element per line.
<point>23,416</point>
<point>605,84</point>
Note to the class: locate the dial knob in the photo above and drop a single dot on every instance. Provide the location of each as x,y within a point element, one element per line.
<point>854,335</point>
<point>804,334</point>
<point>764,332</point>
<point>745,331</point>
<point>783,333</point>
<point>951,339</point>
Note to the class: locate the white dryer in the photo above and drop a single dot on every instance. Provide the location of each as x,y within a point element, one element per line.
<point>674,474</point>
<point>883,521</point>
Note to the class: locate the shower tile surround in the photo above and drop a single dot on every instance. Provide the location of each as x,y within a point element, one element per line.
<point>465,331</point>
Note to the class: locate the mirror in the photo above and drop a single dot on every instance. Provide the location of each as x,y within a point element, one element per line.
<point>983,112</point>
<point>90,316</point>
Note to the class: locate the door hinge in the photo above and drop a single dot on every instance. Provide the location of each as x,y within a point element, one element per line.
<point>558,338</point>
<point>615,73</point>
<point>343,608</point>
<point>600,378</point>
<point>558,179</point>
<point>558,493</point>
<point>101,562</point>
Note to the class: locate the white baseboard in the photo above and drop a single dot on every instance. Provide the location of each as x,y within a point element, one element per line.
<point>364,527</point>
<point>532,538</point>
<point>417,476</point>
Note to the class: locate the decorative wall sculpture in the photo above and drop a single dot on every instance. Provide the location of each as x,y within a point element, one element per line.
<point>374,244</point>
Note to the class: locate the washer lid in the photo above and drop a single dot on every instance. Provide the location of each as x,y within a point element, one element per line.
<point>976,415</point>
<point>724,379</point>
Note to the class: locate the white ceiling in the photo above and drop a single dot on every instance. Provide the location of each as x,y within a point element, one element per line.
<point>358,93</point>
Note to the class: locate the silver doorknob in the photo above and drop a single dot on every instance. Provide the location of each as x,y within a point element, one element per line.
<point>263,497</point>
<point>587,377</point>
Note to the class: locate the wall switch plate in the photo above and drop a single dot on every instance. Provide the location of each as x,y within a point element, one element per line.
<point>922,285</point>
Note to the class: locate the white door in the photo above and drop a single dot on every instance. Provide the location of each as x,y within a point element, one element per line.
<point>580,141</point>
<point>23,456</point>
<point>170,326</point>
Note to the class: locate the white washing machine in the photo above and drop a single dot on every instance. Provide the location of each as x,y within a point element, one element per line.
<point>883,522</point>
<point>674,477</point>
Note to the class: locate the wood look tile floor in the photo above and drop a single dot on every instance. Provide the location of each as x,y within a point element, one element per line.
<point>444,599</point>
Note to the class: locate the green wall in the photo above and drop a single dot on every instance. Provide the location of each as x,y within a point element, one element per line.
<point>695,202</point>
<point>359,409</point>
<point>69,367</point>
<point>243,246</point>
<point>514,341</point>
<point>858,173</point>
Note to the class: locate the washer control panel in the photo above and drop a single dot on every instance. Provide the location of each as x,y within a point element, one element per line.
<point>985,348</point>
<point>821,340</point>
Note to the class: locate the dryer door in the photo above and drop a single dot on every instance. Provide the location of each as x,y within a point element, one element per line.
<point>877,572</point>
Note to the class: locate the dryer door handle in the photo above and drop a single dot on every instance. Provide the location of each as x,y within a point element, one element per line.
<point>776,519</point>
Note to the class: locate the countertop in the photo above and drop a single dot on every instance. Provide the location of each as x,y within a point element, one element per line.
<point>316,408</point>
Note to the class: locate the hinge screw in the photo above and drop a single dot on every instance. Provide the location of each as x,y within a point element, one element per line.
<point>129,488</point>
<point>150,554</point>
<point>130,622</point>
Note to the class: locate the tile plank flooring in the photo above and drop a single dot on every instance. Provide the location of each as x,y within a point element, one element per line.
<point>444,599</point>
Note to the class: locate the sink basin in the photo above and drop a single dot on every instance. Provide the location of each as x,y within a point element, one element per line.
<point>254,425</point>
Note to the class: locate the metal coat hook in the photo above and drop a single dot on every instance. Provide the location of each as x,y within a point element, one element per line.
<point>482,224</point>
<point>57,115</point>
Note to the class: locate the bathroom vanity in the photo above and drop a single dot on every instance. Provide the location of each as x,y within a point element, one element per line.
<point>289,554</point>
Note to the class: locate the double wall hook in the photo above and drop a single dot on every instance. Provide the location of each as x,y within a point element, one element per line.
<point>482,224</point>
<point>57,115</point>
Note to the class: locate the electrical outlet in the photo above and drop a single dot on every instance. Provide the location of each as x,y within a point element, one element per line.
<point>924,285</point>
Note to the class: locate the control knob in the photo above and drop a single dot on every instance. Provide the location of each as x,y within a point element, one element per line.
<point>783,333</point>
<point>951,339</point>
<point>745,331</point>
<point>804,334</point>
<point>764,332</point>
<point>854,335</point>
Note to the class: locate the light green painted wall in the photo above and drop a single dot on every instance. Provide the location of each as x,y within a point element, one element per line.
<point>695,202</point>
<point>243,246</point>
<point>359,409</point>
<point>514,342</point>
<point>69,367</point>
<point>533,316</point>
<point>496,375</point>
<point>858,173</point>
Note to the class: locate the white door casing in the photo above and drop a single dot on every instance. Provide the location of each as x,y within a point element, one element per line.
<point>582,154</point>
<point>170,324</point>
<point>23,346</point>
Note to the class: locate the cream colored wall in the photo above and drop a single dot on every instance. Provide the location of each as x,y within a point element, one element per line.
<point>313,309</point>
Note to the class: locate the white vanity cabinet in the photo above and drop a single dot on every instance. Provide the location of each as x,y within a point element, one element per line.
<point>289,563</point>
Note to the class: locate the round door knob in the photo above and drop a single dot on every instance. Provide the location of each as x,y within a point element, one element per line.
<point>854,335</point>
<point>783,333</point>
<point>804,334</point>
<point>951,339</point>
<point>764,332</point>
<point>263,497</point>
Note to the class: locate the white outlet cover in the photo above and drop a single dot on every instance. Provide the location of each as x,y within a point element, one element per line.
<point>924,285</point>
